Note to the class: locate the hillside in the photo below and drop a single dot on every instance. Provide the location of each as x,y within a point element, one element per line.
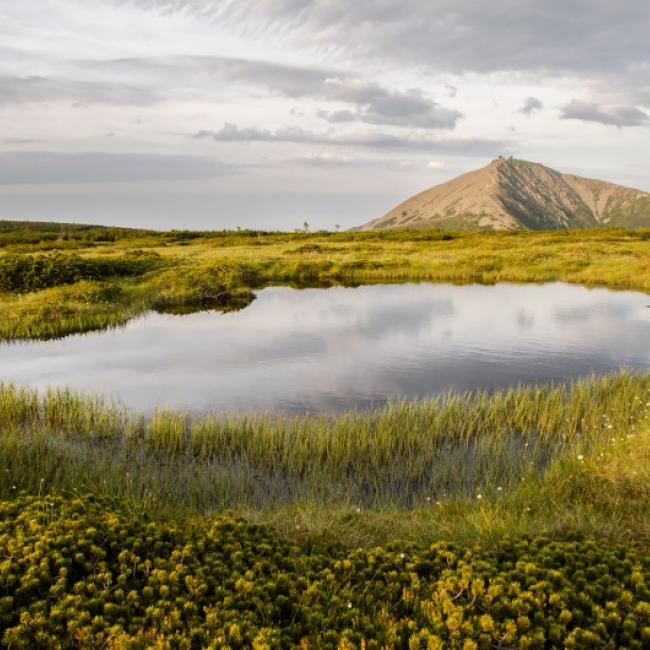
<point>511,194</point>
<point>7,225</point>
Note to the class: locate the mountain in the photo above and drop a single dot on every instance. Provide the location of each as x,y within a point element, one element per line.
<point>511,194</point>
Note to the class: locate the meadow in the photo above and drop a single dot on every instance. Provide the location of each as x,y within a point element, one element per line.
<point>56,283</point>
<point>513,519</point>
<point>86,574</point>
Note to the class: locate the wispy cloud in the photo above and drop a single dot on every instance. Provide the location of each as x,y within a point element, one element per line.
<point>531,104</point>
<point>377,141</point>
<point>456,35</point>
<point>370,102</point>
<point>22,90</point>
<point>290,80</point>
<point>377,105</point>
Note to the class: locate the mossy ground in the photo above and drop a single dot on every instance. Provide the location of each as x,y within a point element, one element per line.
<point>83,573</point>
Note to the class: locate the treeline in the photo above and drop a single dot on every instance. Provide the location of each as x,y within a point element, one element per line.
<point>44,226</point>
<point>30,273</point>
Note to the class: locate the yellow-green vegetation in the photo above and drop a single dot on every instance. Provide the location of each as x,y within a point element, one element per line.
<point>521,461</point>
<point>85,573</point>
<point>466,521</point>
<point>91,278</point>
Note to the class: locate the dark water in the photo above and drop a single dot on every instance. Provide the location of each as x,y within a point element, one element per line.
<point>333,349</point>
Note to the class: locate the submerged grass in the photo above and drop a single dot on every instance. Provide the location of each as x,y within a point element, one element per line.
<point>459,466</point>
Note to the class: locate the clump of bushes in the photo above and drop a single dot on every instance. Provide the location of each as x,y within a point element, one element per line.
<point>88,573</point>
<point>21,273</point>
<point>310,248</point>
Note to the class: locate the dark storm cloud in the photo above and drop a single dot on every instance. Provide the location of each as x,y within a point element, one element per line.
<point>18,168</point>
<point>381,142</point>
<point>618,116</point>
<point>21,90</point>
<point>454,35</point>
<point>531,104</point>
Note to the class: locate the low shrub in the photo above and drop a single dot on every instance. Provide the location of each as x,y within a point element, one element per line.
<point>87,573</point>
<point>21,273</point>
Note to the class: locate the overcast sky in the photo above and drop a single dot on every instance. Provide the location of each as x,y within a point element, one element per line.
<point>267,113</point>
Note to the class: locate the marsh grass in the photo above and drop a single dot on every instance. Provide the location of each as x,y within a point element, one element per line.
<point>457,465</point>
<point>219,270</point>
<point>541,459</point>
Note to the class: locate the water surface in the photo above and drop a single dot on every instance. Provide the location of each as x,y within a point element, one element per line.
<point>333,349</point>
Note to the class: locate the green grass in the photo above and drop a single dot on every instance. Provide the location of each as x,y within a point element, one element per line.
<point>221,269</point>
<point>117,530</point>
<point>457,467</point>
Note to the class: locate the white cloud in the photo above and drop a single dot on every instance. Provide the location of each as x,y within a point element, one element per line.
<point>311,94</point>
<point>386,142</point>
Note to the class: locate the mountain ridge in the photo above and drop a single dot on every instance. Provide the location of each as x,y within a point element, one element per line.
<point>511,194</point>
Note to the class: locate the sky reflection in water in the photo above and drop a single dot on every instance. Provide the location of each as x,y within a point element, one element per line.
<point>334,349</point>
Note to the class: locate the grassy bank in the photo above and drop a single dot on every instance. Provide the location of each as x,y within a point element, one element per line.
<point>89,283</point>
<point>523,461</point>
<point>516,520</point>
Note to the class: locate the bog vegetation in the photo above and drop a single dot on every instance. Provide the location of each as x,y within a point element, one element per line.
<point>64,279</point>
<point>443,456</point>
<point>81,573</point>
<point>466,521</point>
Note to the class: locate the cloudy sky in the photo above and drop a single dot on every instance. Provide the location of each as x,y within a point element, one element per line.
<point>267,113</point>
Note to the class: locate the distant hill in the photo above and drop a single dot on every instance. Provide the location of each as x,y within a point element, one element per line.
<point>44,226</point>
<point>511,194</point>
<point>46,233</point>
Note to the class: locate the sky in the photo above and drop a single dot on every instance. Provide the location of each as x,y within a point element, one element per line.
<point>271,113</point>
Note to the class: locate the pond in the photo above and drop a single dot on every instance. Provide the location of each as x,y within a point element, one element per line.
<point>329,350</point>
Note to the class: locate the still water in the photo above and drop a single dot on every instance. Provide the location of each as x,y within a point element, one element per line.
<point>333,349</point>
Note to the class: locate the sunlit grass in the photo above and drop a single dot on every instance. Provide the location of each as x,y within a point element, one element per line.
<point>219,270</point>
<point>458,466</point>
<point>412,469</point>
